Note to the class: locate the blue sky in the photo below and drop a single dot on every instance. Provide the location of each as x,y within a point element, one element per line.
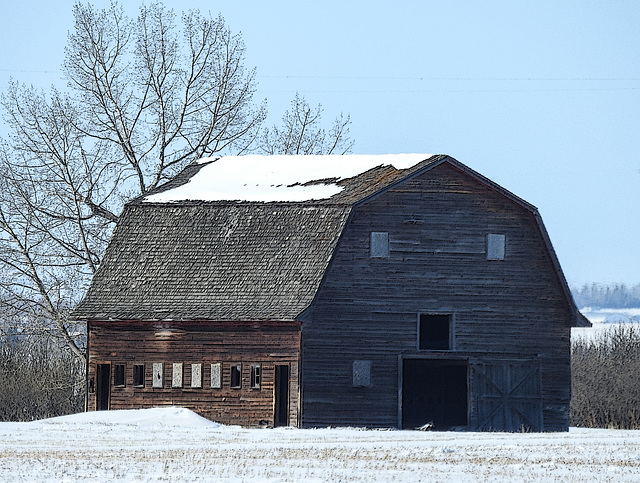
<point>542,97</point>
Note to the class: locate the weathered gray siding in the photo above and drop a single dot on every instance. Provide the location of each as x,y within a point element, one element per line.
<point>367,308</point>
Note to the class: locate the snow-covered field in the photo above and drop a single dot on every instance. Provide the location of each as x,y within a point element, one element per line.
<point>174,444</point>
<point>597,315</point>
<point>605,319</point>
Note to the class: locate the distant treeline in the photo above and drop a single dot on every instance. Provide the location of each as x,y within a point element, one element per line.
<point>615,296</point>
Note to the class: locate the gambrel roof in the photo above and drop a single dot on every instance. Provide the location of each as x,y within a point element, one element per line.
<point>183,254</point>
<point>242,238</point>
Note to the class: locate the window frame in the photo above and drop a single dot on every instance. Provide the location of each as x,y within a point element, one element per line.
<point>451,331</point>
<point>139,374</point>
<point>196,375</point>
<point>158,370</point>
<point>496,246</point>
<point>235,381</point>
<point>177,375</point>
<point>379,246</point>
<point>216,375</point>
<point>361,373</point>
<point>120,375</point>
<point>256,376</point>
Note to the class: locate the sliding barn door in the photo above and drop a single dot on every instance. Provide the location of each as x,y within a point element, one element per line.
<point>507,396</point>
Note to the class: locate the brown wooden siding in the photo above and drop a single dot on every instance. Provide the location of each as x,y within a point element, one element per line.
<point>367,308</point>
<point>265,344</point>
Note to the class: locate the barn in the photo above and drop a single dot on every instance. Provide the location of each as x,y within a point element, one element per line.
<point>374,291</point>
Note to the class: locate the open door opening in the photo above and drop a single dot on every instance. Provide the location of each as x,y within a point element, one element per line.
<point>434,392</point>
<point>103,384</point>
<point>281,396</point>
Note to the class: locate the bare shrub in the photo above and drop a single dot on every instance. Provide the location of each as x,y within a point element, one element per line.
<point>605,385</point>
<point>40,378</point>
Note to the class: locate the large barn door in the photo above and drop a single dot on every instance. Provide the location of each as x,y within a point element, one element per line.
<point>507,397</point>
<point>435,393</point>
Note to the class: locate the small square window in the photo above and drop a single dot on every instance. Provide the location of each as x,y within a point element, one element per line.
<point>119,375</point>
<point>256,377</point>
<point>434,332</point>
<point>496,246</point>
<point>216,375</point>
<point>236,376</point>
<point>158,375</point>
<point>362,373</point>
<point>379,246</point>
<point>138,375</point>
<point>196,375</point>
<point>176,376</point>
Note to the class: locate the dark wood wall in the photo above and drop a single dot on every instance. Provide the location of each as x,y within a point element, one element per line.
<point>367,308</point>
<point>248,344</point>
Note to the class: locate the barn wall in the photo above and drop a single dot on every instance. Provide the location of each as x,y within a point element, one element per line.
<point>438,224</point>
<point>199,343</point>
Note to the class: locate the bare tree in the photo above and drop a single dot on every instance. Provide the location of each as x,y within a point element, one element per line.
<point>143,99</point>
<point>302,132</point>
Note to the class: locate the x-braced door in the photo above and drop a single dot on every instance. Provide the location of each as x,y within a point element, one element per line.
<point>507,396</point>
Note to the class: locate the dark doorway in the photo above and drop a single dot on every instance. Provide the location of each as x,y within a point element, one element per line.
<point>103,381</point>
<point>281,417</point>
<point>434,392</point>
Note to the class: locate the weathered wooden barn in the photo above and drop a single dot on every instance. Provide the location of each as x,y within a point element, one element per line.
<point>384,291</point>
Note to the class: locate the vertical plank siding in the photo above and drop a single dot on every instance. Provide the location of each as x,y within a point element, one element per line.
<point>367,308</point>
<point>205,343</point>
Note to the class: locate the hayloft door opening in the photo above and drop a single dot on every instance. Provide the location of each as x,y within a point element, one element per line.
<point>103,383</point>
<point>434,393</point>
<point>281,396</point>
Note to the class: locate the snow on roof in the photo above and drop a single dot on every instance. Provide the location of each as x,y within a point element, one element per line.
<point>277,178</point>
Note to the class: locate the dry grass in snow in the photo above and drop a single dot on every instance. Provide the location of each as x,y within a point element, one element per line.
<point>174,444</point>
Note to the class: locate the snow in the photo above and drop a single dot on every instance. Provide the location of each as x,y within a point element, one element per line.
<point>598,315</point>
<point>277,178</point>
<point>605,319</point>
<point>164,417</point>
<point>174,444</point>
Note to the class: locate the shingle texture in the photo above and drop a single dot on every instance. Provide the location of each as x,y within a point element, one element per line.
<point>224,260</point>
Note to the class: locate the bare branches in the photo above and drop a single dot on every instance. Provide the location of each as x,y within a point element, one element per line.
<point>160,96</point>
<point>143,98</point>
<point>604,373</point>
<point>302,133</point>
<point>40,378</point>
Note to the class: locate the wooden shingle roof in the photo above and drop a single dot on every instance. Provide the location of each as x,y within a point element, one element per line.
<point>197,259</point>
<point>180,253</point>
<point>214,261</point>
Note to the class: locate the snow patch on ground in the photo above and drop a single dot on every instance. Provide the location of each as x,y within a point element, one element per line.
<point>161,417</point>
<point>173,444</point>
